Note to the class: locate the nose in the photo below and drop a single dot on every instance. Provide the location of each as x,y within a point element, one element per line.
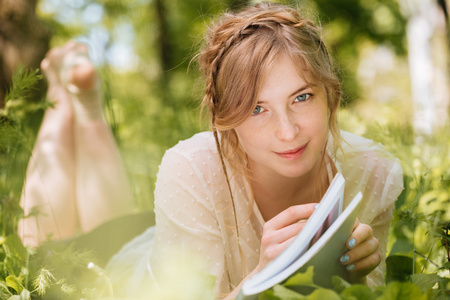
<point>286,127</point>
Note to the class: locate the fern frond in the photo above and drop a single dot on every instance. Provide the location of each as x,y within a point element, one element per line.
<point>43,281</point>
<point>24,82</point>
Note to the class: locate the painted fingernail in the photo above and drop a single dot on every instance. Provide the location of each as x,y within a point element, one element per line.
<point>350,267</point>
<point>344,258</point>
<point>351,243</point>
<point>316,206</point>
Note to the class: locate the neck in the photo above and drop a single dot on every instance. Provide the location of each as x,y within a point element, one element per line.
<point>273,194</point>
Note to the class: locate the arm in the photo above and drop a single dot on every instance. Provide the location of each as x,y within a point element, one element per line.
<point>367,253</point>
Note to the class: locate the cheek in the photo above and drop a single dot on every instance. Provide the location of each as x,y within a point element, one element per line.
<point>243,136</point>
<point>248,137</point>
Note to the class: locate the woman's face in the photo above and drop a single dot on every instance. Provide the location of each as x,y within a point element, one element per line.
<point>287,132</point>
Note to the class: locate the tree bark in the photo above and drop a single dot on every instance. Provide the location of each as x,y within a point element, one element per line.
<point>24,40</point>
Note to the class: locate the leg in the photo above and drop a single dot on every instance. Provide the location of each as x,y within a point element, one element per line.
<point>103,191</point>
<point>50,181</point>
<point>102,188</point>
<point>75,156</point>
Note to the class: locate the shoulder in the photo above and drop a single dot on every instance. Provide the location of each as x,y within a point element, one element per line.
<point>201,142</point>
<point>369,166</point>
<point>195,157</point>
<point>198,148</point>
<point>364,153</point>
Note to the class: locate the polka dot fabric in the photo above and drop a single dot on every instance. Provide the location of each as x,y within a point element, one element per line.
<point>194,213</point>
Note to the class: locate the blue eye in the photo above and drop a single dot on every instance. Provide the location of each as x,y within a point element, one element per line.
<point>257,110</point>
<point>303,97</point>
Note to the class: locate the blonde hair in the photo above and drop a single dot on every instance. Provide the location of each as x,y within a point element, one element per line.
<point>239,51</point>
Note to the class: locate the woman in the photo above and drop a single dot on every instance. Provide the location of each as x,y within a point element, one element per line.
<point>238,195</point>
<point>242,193</point>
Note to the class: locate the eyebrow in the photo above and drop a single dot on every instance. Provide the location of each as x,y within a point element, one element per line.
<point>299,90</point>
<point>307,86</point>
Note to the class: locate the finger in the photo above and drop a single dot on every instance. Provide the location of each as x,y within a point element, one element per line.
<point>356,223</point>
<point>364,266</point>
<point>360,233</point>
<point>360,252</point>
<point>279,236</point>
<point>290,215</point>
<point>272,252</point>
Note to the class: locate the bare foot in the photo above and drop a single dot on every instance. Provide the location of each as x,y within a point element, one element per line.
<point>69,64</point>
<point>83,76</point>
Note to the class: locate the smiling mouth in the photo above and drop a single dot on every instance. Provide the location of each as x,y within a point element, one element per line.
<point>292,154</point>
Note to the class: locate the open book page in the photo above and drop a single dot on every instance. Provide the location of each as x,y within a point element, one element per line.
<point>329,206</point>
<point>333,215</point>
<point>323,255</point>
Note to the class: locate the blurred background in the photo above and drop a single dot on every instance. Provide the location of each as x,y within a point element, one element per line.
<point>393,57</point>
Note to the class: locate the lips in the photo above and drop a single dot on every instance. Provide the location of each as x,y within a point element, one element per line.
<point>292,154</point>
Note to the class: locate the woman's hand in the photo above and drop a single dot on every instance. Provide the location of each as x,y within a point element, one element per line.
<point>280,231</point>
<point>363,255</point>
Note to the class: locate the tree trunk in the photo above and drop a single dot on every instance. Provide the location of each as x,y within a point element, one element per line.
<point>428,61</point>
<point>23,41</point>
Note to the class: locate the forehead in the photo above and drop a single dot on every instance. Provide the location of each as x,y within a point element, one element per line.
<point>285,75</point>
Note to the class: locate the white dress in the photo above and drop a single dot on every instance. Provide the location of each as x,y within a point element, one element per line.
<point>194,212</point>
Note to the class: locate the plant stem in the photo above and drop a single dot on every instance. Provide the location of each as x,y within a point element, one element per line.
<point>428,260</point>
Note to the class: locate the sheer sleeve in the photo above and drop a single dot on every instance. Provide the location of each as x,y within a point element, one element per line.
<point>185,218</point>
<point>382,190</point>
<point>369,168</point>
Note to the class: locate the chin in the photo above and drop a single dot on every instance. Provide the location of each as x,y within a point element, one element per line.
<point>295,173</point>
<point>301,169</point>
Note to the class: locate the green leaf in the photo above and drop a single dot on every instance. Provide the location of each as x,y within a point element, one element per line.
<point>4,291</point>
<point>268,295</point>
<point>302,279</point>
<point>14,283</point>
<point>437,294</point>
<point>14,247</point>
<point>339,284</point>
<point>286,294</point>
<point>398,268</point>
<point>401,246</point>
<point>402,291</point>
<point>25,295</point>
<point>321,294</point>
<point>358,292</point>
<point>446,265</point>
<point>426,281</point>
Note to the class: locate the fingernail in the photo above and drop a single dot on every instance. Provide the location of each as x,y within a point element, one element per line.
<point>316,206</point>
<point>344,258</point>
<point>352,243</point>
<point>350,267</point>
